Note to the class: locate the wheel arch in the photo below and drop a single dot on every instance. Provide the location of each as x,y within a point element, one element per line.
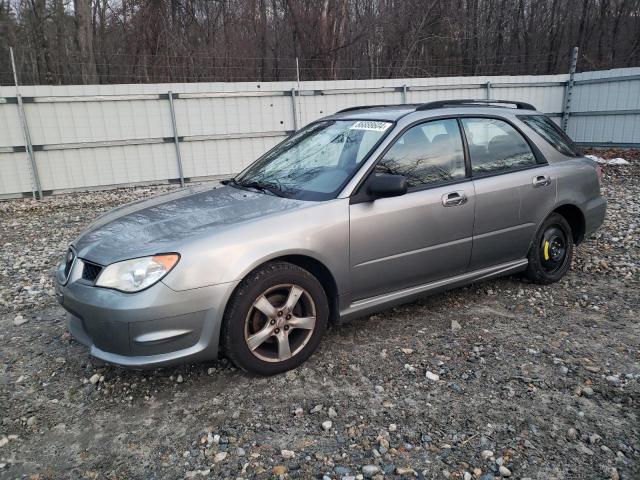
<point>324,276</point>
<point>574,216</point>
<point>315,267</point>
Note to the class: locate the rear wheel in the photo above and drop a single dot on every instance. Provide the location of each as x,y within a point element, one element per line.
<point>275,320</point>
<point>551,251</point>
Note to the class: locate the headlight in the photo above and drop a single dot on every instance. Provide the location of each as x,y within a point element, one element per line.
<point>137,274</point>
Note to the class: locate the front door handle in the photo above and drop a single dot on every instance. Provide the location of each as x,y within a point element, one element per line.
<point>453,199</point>
<point>541,181</point>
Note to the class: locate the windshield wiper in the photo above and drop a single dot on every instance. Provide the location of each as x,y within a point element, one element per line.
<point>263,187</point>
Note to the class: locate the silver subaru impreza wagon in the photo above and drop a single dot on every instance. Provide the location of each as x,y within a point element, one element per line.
<point>358,211</point>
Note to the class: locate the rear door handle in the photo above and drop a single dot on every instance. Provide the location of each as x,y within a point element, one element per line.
<point>541,181</point>
<point>453,199</point>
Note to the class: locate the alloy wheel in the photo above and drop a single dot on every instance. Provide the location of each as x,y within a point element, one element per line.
<point>280,323</point>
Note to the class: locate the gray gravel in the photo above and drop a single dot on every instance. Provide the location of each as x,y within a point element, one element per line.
<point>503,379</point>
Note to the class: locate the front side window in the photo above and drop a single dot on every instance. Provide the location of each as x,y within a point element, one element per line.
<point>495,146</point>
<point>547,129</point>
<point>316,162</point>
<point>427,154</point>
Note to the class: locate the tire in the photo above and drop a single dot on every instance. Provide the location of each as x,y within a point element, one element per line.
<point>551,251</point>
<point>256,341</point>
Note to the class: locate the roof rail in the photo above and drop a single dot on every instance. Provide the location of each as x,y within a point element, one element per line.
<point>473,103</point>
<point>362,107</point>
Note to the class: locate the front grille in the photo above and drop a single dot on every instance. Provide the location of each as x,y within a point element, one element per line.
<point>91,271</point>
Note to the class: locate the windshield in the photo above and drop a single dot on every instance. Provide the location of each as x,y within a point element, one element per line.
<point>316,162</point>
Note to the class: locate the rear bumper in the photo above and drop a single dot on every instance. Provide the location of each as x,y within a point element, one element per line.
<point>153,328</point>
<point>594,213</point>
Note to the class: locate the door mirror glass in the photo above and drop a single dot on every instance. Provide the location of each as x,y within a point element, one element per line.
<point>382,186</point>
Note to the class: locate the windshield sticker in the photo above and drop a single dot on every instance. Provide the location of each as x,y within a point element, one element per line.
<point>369,125</point>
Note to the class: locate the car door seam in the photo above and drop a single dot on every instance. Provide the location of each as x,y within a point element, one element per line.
<point>473,227</point>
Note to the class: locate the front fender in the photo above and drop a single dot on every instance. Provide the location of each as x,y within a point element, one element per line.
<point>319,230</point>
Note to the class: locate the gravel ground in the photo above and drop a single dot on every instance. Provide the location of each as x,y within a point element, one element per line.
<point>500,379</point>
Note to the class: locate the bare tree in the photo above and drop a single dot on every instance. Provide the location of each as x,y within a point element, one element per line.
<point>84,40</point>
<point>120,41</point>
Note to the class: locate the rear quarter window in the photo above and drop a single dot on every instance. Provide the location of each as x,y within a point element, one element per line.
<point>547,129</point>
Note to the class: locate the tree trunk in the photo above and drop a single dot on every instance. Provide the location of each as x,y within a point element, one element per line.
<point>84,40</point>
<point>45,62</point>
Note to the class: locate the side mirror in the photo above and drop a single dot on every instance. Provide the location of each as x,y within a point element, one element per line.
<point>385,185</point>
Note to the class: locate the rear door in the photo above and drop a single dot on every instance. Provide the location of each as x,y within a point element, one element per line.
<point>424,235</point>
<point>514,190</point>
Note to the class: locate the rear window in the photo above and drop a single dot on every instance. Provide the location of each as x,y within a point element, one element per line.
<point>547,129</point>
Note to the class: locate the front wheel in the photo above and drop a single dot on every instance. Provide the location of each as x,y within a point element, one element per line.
<point>275,320</point>
<point>551,251</point>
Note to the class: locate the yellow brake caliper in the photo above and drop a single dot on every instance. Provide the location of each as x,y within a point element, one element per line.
<point>546,249</point>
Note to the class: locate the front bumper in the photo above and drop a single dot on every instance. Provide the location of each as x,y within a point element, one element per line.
<point>153,328</point>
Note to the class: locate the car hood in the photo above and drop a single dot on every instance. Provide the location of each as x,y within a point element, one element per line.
<point>162,223</point>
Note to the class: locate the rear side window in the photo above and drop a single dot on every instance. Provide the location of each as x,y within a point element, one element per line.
<point>426,154</point>
<point>547,129</point>
<point>495,146</point>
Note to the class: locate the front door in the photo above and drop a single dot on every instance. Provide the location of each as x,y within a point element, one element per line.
<point>424,235</point>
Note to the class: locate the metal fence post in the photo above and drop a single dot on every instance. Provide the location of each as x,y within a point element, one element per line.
<point>404,94</point>
<point>176,139</point>
<point>488,85</point>
<point>294,109</point>
<point>299,89</point>
<point>568,89</point>
<point>26,133</point>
